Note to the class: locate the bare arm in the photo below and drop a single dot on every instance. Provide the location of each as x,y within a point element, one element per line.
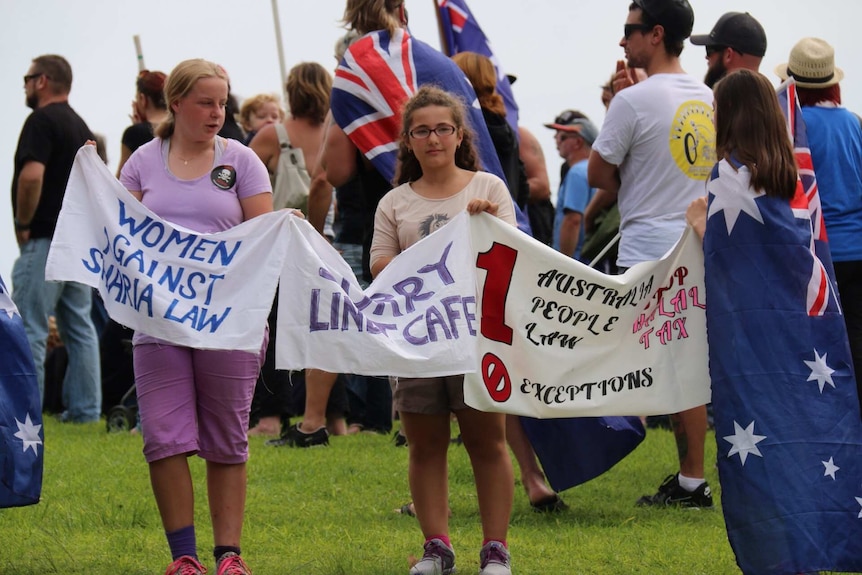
<point>28,194</point>
<point>570,230</point>
<point>603,175</point>
<point>265,145</point>
<point>534,164</point>
<point>379,264</point>
<point>320,191</point>
<point>253,206</point>
<point>339,156</point>
<point>695,215</point>
<point>601,201</point>
<point>125,152</point>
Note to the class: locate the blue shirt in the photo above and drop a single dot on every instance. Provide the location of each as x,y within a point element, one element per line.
<point>574,195</point>
<point>835,140</point>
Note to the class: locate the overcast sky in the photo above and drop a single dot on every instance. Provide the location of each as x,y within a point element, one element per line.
<point>561,51</point>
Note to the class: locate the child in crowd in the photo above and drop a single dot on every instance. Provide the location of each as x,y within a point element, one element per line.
<point>439,178</point>
<point>259,111</point>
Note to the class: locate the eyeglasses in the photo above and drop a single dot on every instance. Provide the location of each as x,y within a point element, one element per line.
<point>630,29</point>
<point>442,131</point>
<point>710,50</point>
<point>29,77</point>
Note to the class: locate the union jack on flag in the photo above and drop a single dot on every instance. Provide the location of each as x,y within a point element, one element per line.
<point>806,203</point>
<point>377,75</point>
<point>462,33</point>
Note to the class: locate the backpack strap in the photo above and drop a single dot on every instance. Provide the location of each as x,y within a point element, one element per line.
<point>283,138</point>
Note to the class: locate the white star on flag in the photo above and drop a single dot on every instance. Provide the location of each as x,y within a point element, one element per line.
<point>7,305</point>
<point>831,468</point>
<point>744,441</point>
<point>820,372</point>
<point>859,501</point>
<point>29,434</point>
<point>731,198</point>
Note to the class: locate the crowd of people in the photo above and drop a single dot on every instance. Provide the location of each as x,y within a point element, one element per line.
<point>641,174</point>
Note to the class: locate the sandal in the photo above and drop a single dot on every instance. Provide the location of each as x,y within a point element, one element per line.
<point>550,504</point>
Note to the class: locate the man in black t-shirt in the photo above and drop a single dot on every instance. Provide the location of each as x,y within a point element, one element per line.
<point>49,141</point>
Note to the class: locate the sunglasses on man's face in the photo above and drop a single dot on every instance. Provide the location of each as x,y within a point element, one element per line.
<point>710,50</point>
<point>630,29</point>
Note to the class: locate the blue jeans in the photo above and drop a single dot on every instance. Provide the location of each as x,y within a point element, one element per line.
<point>70,303</point>
<point>352,254</point>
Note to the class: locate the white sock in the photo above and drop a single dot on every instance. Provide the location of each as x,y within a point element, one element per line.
<point>690,483</point>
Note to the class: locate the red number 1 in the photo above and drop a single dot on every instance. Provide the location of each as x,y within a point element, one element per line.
<point>499,262</point>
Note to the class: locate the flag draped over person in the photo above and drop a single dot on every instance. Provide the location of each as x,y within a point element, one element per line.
<point>461,32</point>
<point>21,448</point>
<point>808,199</point>
<point>787,419</point>
<point>377,75</point>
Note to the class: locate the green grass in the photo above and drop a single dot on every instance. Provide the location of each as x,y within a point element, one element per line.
<point>330,511</point>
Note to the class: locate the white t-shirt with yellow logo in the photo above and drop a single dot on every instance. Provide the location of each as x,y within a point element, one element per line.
<point>661,134</point>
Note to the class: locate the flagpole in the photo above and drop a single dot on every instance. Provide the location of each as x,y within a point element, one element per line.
<point>605,250</point>
<point>139,53</point>
<point>444,44</point>
<point>277,21</point>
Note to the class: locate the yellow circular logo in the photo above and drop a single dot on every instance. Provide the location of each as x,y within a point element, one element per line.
<point>692,139</point>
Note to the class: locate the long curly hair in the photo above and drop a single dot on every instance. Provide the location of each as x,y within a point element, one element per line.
<point>408,168</point>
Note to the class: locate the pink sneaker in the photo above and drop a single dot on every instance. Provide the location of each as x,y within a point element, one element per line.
<point>186,565</point>
<point>232,564</point>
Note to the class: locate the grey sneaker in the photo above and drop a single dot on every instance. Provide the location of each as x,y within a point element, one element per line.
<point>438,559</point>
<point>494,559</point>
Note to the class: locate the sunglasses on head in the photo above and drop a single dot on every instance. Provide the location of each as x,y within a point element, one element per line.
<point>630,29</point>
<point>566,117</point>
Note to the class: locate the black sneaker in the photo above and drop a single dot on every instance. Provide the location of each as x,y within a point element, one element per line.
<point>295,437</point>
<point>399,439</point>
<point>670,492</point>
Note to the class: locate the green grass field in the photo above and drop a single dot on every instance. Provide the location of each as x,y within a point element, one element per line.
<point>330,511</point>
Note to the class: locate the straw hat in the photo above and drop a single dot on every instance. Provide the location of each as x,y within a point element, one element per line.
<point>812,65</point>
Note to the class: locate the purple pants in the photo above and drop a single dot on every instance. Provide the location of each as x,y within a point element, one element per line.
<point>195,401</point>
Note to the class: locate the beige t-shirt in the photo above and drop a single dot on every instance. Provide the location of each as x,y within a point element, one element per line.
<point>404,217</point>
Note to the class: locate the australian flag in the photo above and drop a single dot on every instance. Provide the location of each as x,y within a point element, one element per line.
<point>808,199</point>
<point>378,74</point>
<point>787,420</point>
<point>20,412</point>
<point>461,33</point>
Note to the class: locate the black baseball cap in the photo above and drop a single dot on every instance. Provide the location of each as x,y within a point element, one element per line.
<point>675,16</point>
<point>739,30</point>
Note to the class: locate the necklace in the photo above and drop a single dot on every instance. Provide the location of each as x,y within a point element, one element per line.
<point>186,161</point>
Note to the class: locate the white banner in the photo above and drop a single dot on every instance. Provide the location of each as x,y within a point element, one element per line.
<point>418,318</point>
<point>211,291</point>
<point>560,339</point>
<point>557,339</point>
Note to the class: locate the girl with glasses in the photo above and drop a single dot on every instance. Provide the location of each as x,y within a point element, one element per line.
<point>438,173</point>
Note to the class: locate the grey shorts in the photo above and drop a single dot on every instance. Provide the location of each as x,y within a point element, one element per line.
<point>428,395</point>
